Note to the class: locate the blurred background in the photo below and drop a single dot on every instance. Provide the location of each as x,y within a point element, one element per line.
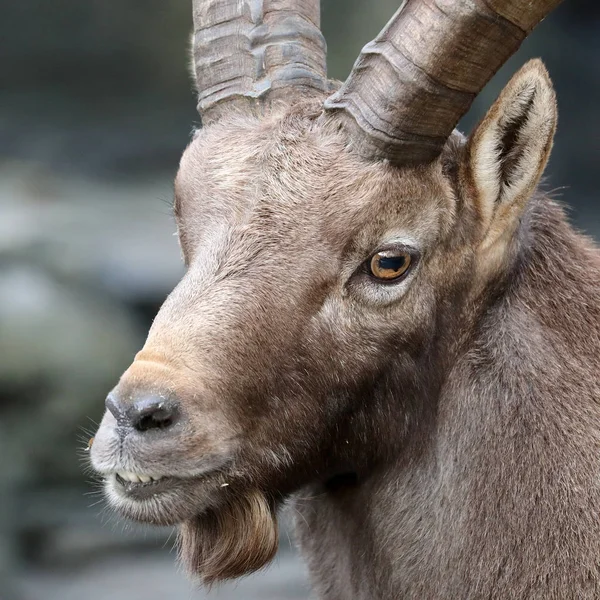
<point>96,106</point>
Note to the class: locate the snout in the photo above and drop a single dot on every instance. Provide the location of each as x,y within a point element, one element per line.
<point>162,454</point>
<point>136,444</point>
<point>144,424</point>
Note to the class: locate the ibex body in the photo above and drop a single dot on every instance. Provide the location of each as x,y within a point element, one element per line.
<point>407,349</point>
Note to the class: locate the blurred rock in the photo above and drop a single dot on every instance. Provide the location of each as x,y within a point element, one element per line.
<point>77,260</point>
<point>157,577</point>
<point>98,87</point>
<point>72,256</point>
<point>115,237</point>
<point>62,349</point>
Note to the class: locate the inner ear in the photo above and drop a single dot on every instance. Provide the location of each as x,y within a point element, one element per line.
<point>510,146</point>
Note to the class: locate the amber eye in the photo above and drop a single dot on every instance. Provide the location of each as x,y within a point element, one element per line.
<point>389,265</point>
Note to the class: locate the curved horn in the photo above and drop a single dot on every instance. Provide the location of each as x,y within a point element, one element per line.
<point>411,85</point>
<point>248,52</point>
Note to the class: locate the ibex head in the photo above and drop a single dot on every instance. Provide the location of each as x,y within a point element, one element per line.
<point>337,247</point>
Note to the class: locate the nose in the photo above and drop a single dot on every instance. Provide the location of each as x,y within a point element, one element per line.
<point>145,413</point>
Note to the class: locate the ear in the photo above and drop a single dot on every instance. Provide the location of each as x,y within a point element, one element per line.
<point>509,149</point>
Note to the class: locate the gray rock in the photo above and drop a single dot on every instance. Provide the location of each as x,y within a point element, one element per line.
<point>62,348</point>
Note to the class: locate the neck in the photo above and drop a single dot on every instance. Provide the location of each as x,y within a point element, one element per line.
<point>499,474</point>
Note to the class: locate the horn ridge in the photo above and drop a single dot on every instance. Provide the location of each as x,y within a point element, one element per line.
<point>410,86</point>
<point>249,53</point>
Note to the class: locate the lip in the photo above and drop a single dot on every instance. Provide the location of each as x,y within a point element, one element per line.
<point>141,490</point>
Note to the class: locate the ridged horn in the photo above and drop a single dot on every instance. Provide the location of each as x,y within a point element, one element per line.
<point>248,53</point>
<point>410,86</point>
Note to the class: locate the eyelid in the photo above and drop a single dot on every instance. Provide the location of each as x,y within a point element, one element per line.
<point>399,245</point>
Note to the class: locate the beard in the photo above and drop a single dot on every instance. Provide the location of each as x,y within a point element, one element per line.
<point>235,539</point>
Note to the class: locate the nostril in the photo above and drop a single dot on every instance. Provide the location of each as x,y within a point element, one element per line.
<point>146,415</point>
<point>159,419</point>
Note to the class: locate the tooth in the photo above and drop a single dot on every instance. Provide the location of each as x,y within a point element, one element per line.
<point>134,478</point>
<point>122,475</point>
<point>145,478</point>
<point>156,477</point>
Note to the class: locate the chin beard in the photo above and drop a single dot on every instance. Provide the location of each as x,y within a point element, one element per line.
<point>235,539</point>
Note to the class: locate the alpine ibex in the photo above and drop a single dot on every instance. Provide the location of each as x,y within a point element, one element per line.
<point>381,321</point>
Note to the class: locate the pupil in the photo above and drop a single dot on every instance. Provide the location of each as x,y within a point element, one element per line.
<point>392,263</point>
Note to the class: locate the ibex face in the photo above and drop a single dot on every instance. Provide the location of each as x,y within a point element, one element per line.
<point>312,275</point>
<point>278,327</point>
<point>326,287</point>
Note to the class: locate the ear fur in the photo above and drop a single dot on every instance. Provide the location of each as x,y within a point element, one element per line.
<point>509,149</point>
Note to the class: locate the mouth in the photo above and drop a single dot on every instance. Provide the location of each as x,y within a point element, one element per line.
<point>141,486</point>
<point>164,499</point>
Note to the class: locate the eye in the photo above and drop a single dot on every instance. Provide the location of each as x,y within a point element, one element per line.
<point>389,265</point>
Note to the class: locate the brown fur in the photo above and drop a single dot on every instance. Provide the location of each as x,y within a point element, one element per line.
<point>439,437</point>
<point>239,538</point>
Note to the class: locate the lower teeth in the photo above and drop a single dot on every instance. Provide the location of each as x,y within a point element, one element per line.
<point>140,480</point>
